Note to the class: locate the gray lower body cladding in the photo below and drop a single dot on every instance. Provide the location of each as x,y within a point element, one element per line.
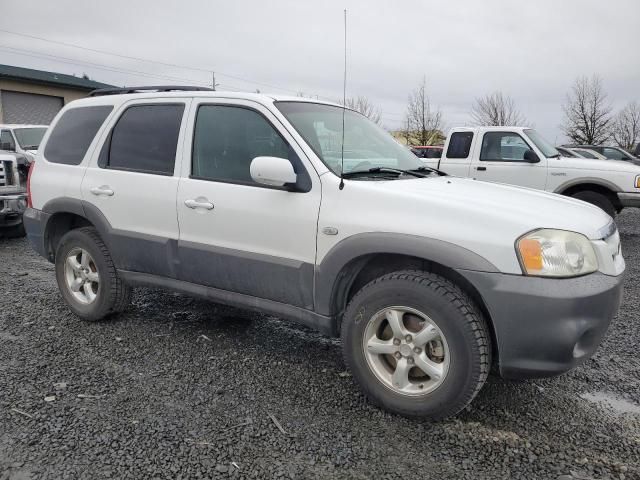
<point>629,199</point>
<point>545,326</point>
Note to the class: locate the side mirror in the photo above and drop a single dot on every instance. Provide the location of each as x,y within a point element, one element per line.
<point>531,156</point>
<point>272,171</point>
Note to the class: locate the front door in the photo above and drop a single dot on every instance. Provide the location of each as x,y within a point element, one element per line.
<point>236,234</point>
<point>502,160</point>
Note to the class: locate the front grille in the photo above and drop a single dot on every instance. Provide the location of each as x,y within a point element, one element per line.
<point>6,173</point>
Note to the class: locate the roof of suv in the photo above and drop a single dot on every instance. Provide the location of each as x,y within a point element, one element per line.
<point>256,97</point>
<point>21,125</point>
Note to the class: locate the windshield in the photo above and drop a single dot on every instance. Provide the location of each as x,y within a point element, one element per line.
<point>29,138</point>
<point>366,145</point>
<point>547,149</point>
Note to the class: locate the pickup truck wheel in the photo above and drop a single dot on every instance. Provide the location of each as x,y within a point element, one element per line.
<point>86,276</point>
<point>416,344</point>
<point>597,199</point>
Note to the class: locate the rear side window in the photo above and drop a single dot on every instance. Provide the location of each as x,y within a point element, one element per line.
<point>144,139</point>
<point>459,145</point>
<point>73,133</point>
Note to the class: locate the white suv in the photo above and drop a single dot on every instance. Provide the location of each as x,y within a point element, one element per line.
<point>239,198</point>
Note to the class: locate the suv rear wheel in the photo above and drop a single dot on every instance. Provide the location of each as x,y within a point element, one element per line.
<point>416,344</point>
<point>86,276</point>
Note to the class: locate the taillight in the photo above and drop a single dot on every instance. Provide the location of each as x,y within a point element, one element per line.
<point>31,167</point>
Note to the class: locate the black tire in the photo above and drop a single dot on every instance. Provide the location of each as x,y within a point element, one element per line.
<point>112,296</point>
<point>16,231</point>
<point>455,314</point>
<point>597,199</point>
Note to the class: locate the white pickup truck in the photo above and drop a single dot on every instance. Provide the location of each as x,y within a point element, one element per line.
<point>520,156</point>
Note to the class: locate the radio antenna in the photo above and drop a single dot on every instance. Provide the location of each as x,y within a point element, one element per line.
<point>344,101</point>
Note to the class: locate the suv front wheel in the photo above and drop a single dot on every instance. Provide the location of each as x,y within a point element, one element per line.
<point>416,344</point>
<point>87,277</point>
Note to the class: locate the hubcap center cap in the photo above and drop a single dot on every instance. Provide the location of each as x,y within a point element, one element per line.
<point>405,350</point>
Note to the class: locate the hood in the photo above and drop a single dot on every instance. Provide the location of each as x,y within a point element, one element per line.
<point>522,209</point>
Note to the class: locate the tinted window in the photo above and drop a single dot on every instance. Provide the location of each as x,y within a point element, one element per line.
<point>145,139</point>
<point>6,141</point>
<point>503,146</point>
<point>73,133</point>
<point>227,139</point>
<point>459,145</point>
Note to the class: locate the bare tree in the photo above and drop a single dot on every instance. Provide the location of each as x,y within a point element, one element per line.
<point>496,109</point>
<point>365,107</point>
<point>625,129</point>
<point>587,112</point>
<point>424,122</point>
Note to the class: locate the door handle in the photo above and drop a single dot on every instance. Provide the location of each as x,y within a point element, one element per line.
<point>199,203</point>
<point>482,169</point>
<point>102,190</point>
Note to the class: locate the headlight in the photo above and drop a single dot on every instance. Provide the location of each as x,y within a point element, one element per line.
<point>637,184</point>
<point>556,253</point>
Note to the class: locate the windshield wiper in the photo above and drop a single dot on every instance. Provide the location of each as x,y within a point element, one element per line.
<point>413,173</point>
<point>429,169</point>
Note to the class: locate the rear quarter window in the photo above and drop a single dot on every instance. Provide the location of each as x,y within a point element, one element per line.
<point>73,133</point>
<point>459,145</point>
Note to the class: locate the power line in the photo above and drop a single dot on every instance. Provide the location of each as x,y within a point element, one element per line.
<point>140,59</point>
<point>71,61</point>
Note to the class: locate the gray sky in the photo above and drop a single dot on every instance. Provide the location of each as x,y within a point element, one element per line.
<point>530,50</point>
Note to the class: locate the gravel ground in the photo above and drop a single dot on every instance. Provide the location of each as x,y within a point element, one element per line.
<point>179,388</point>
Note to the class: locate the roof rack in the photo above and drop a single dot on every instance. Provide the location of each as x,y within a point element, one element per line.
<point>157,88</point>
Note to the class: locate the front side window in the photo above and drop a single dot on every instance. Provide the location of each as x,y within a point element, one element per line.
<point>228,138</point>
<point>460,145</point>
<point>73,133</point>
<point>503,147</point>
<point>30,138</point>
<point>6,141</point>
<point>366,145</point>
<point>145,139</point>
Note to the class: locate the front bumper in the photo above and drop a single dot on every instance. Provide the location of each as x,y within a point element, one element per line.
<point>628,199</point>
<point>11,209</point>
<point>545,326</point>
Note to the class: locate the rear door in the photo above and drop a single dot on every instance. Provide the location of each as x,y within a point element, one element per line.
<point>456,159</point>
<point>501,159</point>
<point>132,182</point>
<point>236,234</point>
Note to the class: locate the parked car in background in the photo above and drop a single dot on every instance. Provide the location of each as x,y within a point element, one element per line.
<point>567,152</point>
<point>240,198</point>
<point>611,153</point>
<point>586,153</point>
<point>13,194</point>
<point>520,156</point>
<point>636,152</point>
<point>427,151</point>
<point>22,139</point>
